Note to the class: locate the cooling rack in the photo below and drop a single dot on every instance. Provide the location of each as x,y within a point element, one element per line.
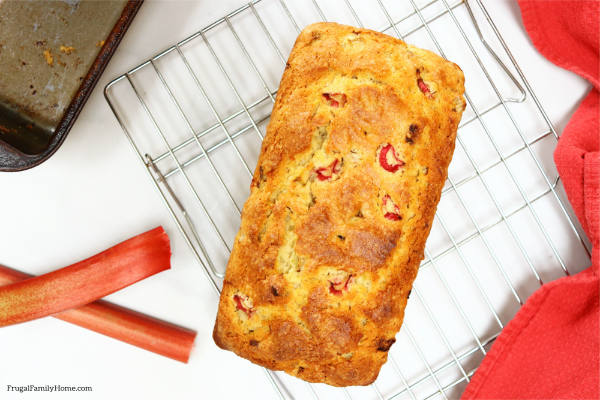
<point>196,114</point>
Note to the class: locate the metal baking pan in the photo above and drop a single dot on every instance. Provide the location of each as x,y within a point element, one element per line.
<point>52,53</point>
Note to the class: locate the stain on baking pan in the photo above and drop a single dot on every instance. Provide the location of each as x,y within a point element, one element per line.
<point>51,56</point>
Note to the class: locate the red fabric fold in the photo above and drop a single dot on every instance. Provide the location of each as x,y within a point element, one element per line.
<point>550,350</point>
<point>574,158</point>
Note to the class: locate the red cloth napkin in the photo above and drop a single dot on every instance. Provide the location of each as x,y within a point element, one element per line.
<point>550,349</point>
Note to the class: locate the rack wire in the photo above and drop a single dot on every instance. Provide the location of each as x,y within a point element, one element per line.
<point>196,114</point>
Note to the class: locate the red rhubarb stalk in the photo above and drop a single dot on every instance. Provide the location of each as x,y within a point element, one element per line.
<point>390,209</point>
<point>326,173</point>
<point>338,286</point>
<point>243,303</point>
<point>392,216</point>
<point>388,159</point>
<point>423,87</point>
<point>86,281</point>
<point>335,99</point>
<point>123,324</point>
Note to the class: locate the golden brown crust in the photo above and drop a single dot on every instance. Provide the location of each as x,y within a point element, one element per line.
<point>342,201</point>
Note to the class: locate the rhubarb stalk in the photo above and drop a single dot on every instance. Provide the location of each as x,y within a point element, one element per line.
<point>123,324</point>
<point>86,281</point>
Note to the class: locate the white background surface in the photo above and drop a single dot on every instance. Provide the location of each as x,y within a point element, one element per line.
<point>94,193</point>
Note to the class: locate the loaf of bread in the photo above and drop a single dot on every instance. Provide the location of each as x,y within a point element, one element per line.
<point>342,201</point>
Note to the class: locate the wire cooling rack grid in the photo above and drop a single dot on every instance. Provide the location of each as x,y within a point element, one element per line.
<point>196,114</point>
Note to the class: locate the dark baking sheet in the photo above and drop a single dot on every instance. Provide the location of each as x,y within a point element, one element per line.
<point>51,56</point>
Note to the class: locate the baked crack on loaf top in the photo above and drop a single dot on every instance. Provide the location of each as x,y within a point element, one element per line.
<point>341,203</point>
